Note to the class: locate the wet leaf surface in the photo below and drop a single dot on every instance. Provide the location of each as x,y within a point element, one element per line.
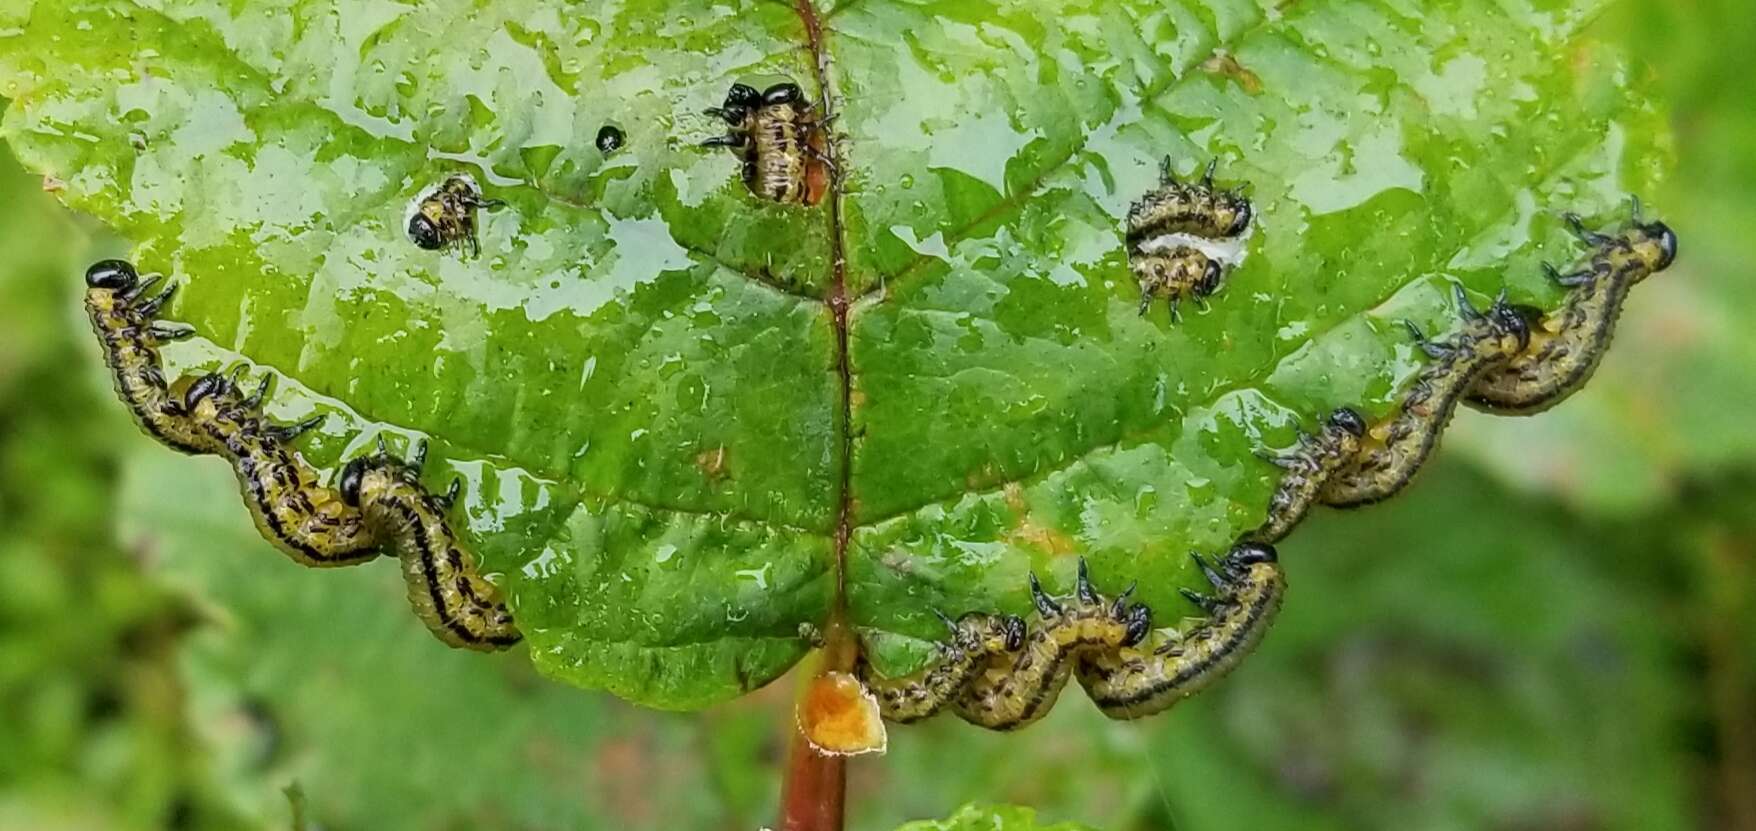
<point>641,380</point>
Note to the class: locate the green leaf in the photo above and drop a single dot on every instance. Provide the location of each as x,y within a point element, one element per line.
<point>666,435</point>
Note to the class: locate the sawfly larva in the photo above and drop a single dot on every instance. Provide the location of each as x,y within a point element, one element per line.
<point>1014,688</point>
<point>1196,208</point>
<point>1130,682</point>
<point>122,316</point>
<point>305,520</point>
<point>1393,451</point>
<point>446,216</point>
<point>1308,466</point>
<point>784,145</point>
<point>974,638</point>
<point>1183,237</point>
<point>1566,346</point>
<point>460,606</point>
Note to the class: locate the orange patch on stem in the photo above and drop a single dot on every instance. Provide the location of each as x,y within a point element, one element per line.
<point>838,716</point>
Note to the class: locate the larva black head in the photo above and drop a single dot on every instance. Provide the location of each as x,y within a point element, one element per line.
<point>1661,235</point>
<point>610,139</point>
<point>1349,419</point>
<point>741,97</point>
<point>785,92</point>
<point>349,481</point>
<point>1210,279</point>
<point>1248,554</point>
<point>1136,623</point>
<point>1507,318</point>
<point>1242,217</point>
<point>116,275</point>
<point>425,233</point>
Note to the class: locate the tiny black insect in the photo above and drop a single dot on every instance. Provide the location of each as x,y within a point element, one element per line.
<point>610,139</point>
<point>782,141</point>
<point>446,216</point>
<point>447,591</point>
<point>1018,686</point>
<point>1393,452</point>
<point>1567,346</point>
<point>1248,588</point>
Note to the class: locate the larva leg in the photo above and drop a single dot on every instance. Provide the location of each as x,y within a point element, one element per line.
<point>1393,451</point>
<point>1567,345</point>
<point>974,638</point>
<point>130,338</point>
<point>292,509</point>
<point>1130,683</point>
<point>1308,466</point>
<point>458,605</point>
<point>1016,687</point>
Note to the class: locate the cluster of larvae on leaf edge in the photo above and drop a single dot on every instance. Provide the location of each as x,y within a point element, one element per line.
<point>1004,672</point>
<point>377,506</point>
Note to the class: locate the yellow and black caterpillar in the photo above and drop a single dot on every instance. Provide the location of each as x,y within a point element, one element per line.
<point>1130,683</point>
<point>1013,688</point>
<point>1308,466</point>
<point>974,639</point>
<point>1393,451</point>
<point>292,510</point>
<point>1181,238</point>
<point>1566,346</point>
<point>381,503</point>
<point>457,603</point>
<point>122,316</point>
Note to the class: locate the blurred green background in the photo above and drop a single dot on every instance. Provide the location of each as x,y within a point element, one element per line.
<point>1554,629</point>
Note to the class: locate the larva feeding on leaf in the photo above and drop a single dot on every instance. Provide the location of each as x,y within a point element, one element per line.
<point>1566,347</point>
<point>1392,452</point>
<point>784,145</point>
<point>122,316</point>
<point>974,638</point>
<point>1182,237</point>
<point>306,521</point>
<point>446,216</point>
<point>1131,683</point>
<point>1308,466</point>
<point>459,606</point>
<point>1014,688</point>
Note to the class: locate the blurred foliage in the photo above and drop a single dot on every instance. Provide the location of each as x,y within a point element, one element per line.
<point>1556,628</point>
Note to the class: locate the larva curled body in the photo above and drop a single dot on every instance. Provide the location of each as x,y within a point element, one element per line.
<point>974,638</point>
<point>292,509</point>
<point>445,587</point>
<point>122,317</point>
<point>1393,451</point>
<point>1013,689</point>
<point>1130,683</point>
<point>1195,208</point>
<point>1308,466</point>
<point>1566,346</point>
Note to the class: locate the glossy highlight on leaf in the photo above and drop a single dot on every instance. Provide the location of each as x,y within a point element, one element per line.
<point>670,400</point>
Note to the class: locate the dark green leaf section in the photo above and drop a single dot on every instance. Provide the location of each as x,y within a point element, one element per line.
<point>638,379</point>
